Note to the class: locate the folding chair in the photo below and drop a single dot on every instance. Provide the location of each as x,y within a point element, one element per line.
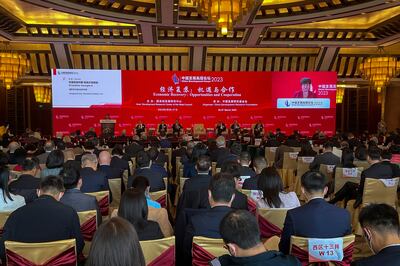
<point>115,187</point>
<point>288,168</point>
<point>88,223</point>
<point>103,200</point>
<point>205,249</point>
<point>159,252</point>
<point>270,155</point>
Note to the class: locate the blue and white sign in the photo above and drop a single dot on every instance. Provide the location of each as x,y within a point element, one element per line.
<point>325,249</point>
<point>306,103</point>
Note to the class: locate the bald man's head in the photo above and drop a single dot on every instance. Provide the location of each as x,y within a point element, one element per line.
<point>104,158</point>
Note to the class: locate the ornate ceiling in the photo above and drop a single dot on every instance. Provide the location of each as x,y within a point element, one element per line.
<point>292,35</point>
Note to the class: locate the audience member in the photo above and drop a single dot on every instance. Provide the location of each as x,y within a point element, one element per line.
<point>45,219</point>
<point>69,160</point>
<point>117,160</point>
<point>377,169</point>
<point>8,202</point>
<point>12,147</point>
<point>73,195</point>
<point>220,151</point>
<point>115,243</point>
<point>240,232</point>
<point>259,163</point>
<point>153,153</point>
<point>144,169</point>
<point>361,153</point>
<point>380,225</point>
<point>48,148</point>
<point>27,183</point>
<point>245,161</point>
<point>272,194</point>
<point>189,167</point>
<point>54,163</point>
<point>279,153</point>
<point>233,168</point>
<point>92,180</point>
<point>306,149</point>
<point>133,208</point>
<point>327,157</point>
<point>317,218</point>
<point>105,167</point>
<point>221,194</point>
<point>233,156</point>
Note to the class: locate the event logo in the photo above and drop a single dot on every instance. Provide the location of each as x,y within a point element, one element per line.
<point>256,117</point>
<point>269,125</point>
<point>185,117</point>
<point>75,124</point>
<point>291,125</point>
<point>175,79</point>
<point>314,124</point>
<point>59,117</point>
<point>136,116</point>
<point>303,117</point>
<point>327,117</point>
<point>233,117</point>
<point>287,104</point>
<point>304,132</point>
<point>85,117</point>
<point>125,125</point>
<point>279,117</point>
<point>161,117</point>
<point>206,117</point>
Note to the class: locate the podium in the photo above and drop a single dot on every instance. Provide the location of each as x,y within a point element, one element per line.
<point>107,127</point>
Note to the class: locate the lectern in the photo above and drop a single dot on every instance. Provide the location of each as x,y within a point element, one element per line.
<point>107,127</point>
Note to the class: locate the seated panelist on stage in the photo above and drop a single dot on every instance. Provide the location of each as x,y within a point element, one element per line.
<point>258,129</point>
<point>220,128</point>
<point>306,89</point>
<point>140,128</point>
<point>235,127</point>
<point>176,128</point>
<point>162,128</point>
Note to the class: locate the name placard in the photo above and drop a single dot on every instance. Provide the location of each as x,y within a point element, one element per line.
<point>328,249</point>
<point>330,168</point>
<point>307,159</point>
<point>349,172</point>
<point>293,155</point>
<point>390,182</point>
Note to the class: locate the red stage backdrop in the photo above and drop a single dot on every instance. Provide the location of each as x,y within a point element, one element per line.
<point>81,98</point>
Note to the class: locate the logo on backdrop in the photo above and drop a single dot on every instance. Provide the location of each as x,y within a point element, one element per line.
<point>303,117</point>
<point>291,125</point>
<point>314,124</point>
<point>256,117</point>
<point>175,79</point>
<point>279,117</point>
<point>326,117</point>
<point>85,117</point>
<point>59,117</point>
<point>75,124</point>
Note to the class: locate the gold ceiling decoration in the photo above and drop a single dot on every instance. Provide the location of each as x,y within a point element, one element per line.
<point>339,94</point>
<point>42,94</point>
<point>224,13</point>
<point>380,69</point>
<point>13,65</point>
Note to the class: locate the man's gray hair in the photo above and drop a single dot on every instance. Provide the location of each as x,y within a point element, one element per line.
<point>89,159</point>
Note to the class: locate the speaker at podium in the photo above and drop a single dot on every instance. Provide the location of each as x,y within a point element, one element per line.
<point>107,127</point>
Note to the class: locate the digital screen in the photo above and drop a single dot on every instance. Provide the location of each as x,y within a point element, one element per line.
<point>304,101</point>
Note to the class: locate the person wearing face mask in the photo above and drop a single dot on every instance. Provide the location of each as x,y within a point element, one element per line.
<point>45,219</point>
<point>241,235</point>
<point>380,225</point>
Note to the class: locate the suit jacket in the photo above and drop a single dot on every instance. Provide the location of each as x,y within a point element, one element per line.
<point>247,171</point>
<point>280,151</point>
<point>388,256</point>
<point>110,171</point>
<point>119,163</point>
<point>26,186</point>
<point>251,183</point>
<point>204,223</point>
<point>73,164</point>
<point>316,219</point>
<point>43,220</point>
<point>93,181</point>
<point>81,202</point>
<point>155,178</point>
<point>327,158</point>
<point>382,170</point>
<point>217,153</point>
<point>43,157</point>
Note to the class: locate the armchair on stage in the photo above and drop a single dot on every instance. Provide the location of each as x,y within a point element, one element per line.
<point>107,127</point>
<point>199,130</point>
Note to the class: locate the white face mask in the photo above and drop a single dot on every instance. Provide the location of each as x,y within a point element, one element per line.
<point>369,241</point>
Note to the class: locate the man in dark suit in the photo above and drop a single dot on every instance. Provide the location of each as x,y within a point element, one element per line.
<point>220,128</point>
<point>380,225</point>
<point>140,128</point>
<point>162,128</point>
<point>327,157</point>
<point>105,167</point>
<point>245,161</point>
<point>45,219</point>
<point>117,160</point>
<point>131,150</point>
<point>26,184</point>
<point>232,156</point>
<point>259,163</point>
<point>144,163</point>
<point>74,197</point>
<point>317,218</point>
<point>154,153</point>
<point>233,168</point>
<point>48,147</point>
<point>240,232</point>
<point>177,128</point>
<point>220,151</point>
<point>92,180</point>
<point>206,223</point>
<point>378,169</point>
